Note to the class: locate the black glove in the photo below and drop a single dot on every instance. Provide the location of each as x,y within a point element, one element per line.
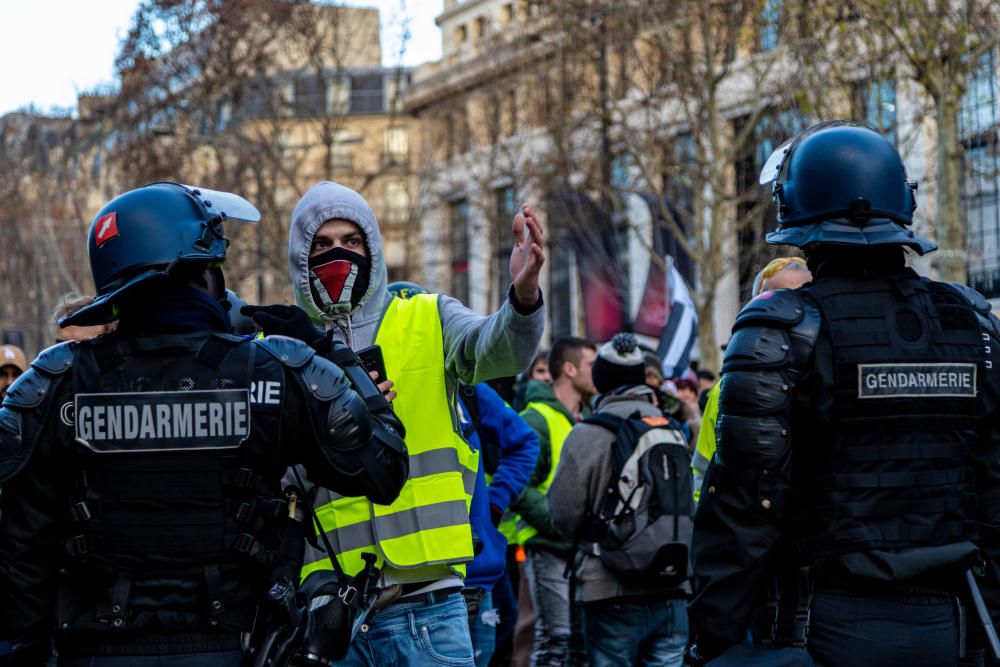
<point>291,321</point>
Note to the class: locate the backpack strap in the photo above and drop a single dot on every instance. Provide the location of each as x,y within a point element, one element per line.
<point>605,420</point>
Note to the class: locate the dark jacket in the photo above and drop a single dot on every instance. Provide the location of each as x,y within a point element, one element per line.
<point>138,539</point>
<point>501,427</point>
<point>533,505</point>
<point>820,463</point>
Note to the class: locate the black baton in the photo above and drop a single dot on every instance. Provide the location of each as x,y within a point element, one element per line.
<point>983,614</point>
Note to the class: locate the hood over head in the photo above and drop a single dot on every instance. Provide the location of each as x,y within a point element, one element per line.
<point>326,201</point>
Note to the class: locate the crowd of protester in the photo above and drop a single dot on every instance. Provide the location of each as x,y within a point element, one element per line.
<point>546,514</point>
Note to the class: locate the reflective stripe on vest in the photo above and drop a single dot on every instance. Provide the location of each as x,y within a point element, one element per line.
<point>559,427</point>
<point>429,522</point>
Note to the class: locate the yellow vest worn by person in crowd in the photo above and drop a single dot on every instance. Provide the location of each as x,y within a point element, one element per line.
<point>428,524</point>
<point>705,449</point>
<point>559,427</point>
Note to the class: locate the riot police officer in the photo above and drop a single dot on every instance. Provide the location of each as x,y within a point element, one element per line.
<point>142,507</point>
<point>856,486</point>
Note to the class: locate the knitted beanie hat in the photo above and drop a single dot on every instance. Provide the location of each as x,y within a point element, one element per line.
<point>619,363</point>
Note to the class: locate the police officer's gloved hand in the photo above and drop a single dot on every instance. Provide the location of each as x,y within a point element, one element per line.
<point>291,321</point>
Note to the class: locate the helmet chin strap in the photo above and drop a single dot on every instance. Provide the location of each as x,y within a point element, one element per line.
<point>216,280</point>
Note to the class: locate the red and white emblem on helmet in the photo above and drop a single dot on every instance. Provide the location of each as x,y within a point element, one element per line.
<point>105,229</point>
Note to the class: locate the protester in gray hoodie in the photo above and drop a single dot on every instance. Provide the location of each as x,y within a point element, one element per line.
<point>338,272</point>
<point>626,622</point>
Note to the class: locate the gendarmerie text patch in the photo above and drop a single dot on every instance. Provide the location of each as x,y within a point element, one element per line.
<point>162,421</point>
<point>916,380</point>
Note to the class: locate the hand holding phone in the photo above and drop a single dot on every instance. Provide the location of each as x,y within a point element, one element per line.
<point>371,359</point>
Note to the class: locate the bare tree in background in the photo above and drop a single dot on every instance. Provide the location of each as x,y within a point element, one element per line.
<point>49,167</point>
<point>245,96</point>
<point>680,97</point>
<point>938,44</point>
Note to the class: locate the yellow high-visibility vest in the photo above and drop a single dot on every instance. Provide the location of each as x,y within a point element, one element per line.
<point>429,522</point>
<point>559,427</point>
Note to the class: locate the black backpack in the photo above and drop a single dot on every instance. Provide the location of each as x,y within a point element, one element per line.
<point>644,522</point>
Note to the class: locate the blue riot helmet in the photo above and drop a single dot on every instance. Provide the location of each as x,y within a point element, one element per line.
<point>147,233</point>
<point>841,182</point>
<point>404,289</point>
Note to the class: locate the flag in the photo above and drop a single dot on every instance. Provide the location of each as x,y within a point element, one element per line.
<point>681,329</point>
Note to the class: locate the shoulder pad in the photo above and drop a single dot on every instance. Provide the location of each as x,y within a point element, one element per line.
<point>55,360</point>
<point>324,379</point>
<point>290,351</point>
<point>975,299</point>
<point>28,390</point>
<point>781,307</point>
<point>756,347</point>
<point>14,451</point>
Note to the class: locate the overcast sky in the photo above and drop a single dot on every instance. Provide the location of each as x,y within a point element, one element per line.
<point>52,49</point>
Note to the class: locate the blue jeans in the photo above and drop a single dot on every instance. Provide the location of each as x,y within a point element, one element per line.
<point>213,659</point>
<point>545,572</point>
<point>483,622</point>
<point>414,634</point>
<point>505,602</point>
<point>636,633</point>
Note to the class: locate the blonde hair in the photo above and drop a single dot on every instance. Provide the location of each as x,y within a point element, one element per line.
<point>773,267</point>
<point>69,305</point>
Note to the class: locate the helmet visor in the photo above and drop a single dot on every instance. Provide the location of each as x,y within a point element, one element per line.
<point>772,168</point>
<point>233,206</point>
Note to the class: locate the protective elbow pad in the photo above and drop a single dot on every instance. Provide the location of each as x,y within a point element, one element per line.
<point>753,407</point>
<point>348,423</point>
<point>749,393</point>
<point>15,450</point>
<point>751,442</point>
<point>389,431</point>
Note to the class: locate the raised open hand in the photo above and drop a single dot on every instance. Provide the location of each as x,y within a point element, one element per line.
<point>527,256</point>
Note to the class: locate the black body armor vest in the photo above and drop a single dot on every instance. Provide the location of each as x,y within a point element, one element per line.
<point>176,501</point>
<point>885,461</point>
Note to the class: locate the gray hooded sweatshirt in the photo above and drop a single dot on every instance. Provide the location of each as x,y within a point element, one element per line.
<point>476,348</point>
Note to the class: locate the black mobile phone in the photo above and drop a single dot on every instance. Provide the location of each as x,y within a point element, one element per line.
<point>371,359</point>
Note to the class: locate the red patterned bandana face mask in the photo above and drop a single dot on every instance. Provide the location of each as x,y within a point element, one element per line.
<point>338,279</point>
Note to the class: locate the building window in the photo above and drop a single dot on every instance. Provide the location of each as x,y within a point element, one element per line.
<point>479,28</point>
<point>979,121</point>
<point>560,297</point>
<point>286,95</point>
<point>510,119</point>
<point>506,207</point>
<point>979,105</point>
<point>340,150</point>
<point>397,147</point>
<point>680,164</point>
<point>461,35</point>
<point>770,22</point>
<point>367,94</point>
<point>877,106</point>
<point>459,223</point>
<point>310,96</point>
<point>507,13</point>
<point>395,83</point>
<point>456,133</point>
<point>338,96</point>
<point>397,202</point>
<point>224,118</point>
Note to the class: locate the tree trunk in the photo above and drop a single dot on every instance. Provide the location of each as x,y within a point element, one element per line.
<point>708,345</point>
<point>950,221</point>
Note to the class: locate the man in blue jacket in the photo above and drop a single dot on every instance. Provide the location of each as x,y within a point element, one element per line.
<point>509,449</point>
